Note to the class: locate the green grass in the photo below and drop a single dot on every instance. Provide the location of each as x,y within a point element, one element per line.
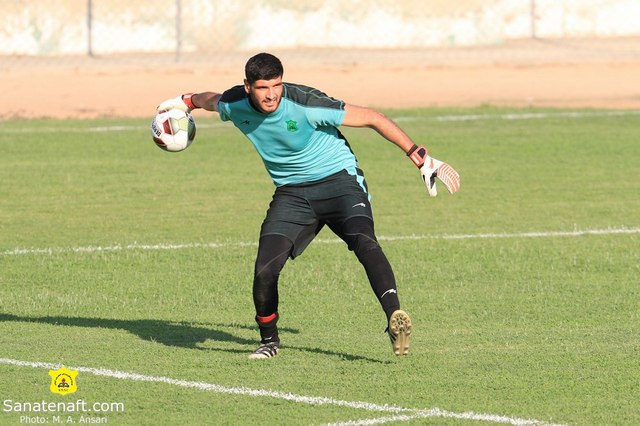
<point>539,328</point>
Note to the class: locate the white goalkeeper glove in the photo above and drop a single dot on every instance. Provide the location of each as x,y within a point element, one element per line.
<point>430,169</point>
<point>182,102</point>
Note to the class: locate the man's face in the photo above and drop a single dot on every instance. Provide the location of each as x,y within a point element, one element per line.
<point>265,94</point>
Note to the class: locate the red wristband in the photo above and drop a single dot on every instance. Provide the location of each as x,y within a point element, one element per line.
<point>417,154</point>
<point>186,98</point>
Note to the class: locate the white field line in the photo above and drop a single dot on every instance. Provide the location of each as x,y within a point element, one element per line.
<point>302,399</point>
<point>437,412</point>
<point>439,118</point>
<point>170,246</point>
<point>524,116</point>
<point>101,129</point>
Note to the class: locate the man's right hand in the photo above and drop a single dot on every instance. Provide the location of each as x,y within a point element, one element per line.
<point>182,102</point>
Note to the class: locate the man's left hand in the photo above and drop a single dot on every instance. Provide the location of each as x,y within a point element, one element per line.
<point>432,169</point>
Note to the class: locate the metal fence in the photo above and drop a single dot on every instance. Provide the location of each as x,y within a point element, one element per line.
<point>211,30</point>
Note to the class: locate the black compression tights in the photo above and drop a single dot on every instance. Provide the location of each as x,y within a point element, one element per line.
<point>359,235</point>
<point>273,253</point>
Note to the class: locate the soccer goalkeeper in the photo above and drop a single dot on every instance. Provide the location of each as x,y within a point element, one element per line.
<point>294,129</point>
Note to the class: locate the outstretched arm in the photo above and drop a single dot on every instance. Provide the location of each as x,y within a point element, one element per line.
<point>191,101</point>
<point>356,116</point>
<point>206,100</point>
<point>430,168</point>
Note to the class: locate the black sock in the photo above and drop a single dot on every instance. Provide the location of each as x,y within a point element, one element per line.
<point>268,328</point>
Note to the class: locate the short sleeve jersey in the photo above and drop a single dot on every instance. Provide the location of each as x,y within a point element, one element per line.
<point>299,142</point>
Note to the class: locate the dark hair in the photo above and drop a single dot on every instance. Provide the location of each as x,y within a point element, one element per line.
<point>263,66</point>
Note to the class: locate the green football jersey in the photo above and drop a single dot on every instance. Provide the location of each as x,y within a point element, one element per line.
<point>300,141</point>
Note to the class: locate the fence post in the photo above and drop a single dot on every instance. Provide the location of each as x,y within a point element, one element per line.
<point>178,29</point>
<point>532,12</point>
<point>90,28</point>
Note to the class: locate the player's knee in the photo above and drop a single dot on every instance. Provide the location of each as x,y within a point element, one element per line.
<point>363,244</point>
<point>266,274</point>
<point>272,255</point>
<point>359,234</point>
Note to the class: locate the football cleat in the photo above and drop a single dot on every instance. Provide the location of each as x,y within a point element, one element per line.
<point>399,332</point>
<point>265,350</point>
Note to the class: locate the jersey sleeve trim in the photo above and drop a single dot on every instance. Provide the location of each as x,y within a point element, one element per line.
<point>236,93</point>
<point>311,97</point>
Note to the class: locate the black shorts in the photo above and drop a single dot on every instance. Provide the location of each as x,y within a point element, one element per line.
<point>299,212</point>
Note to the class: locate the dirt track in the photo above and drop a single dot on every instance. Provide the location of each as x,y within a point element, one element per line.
<point>87,90</point>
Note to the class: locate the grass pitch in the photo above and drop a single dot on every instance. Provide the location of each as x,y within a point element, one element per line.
<point>134,266</point>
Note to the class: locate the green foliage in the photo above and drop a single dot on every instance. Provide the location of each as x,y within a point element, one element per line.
<point>526,327</point>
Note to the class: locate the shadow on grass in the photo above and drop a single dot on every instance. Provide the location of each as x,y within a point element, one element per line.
<point>183,334</point>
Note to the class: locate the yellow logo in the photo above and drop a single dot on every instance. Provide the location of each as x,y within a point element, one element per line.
<point>63,381</point>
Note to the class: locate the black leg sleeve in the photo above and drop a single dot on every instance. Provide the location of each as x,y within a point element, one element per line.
<point>273,252</point>
<point>359,234</point>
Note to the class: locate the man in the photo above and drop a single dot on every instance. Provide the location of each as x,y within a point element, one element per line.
<point>294,129</point>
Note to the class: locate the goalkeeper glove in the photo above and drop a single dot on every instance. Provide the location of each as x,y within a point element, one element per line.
<point>182,102</point>
<point>430,169</point>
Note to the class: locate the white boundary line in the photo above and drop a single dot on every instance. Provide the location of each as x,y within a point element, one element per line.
<point>170,246</point>
<point>524,116</point>
<point>437,412</point>
<point>100,129</point>
<point>440,118</point>
<point>411,413</point>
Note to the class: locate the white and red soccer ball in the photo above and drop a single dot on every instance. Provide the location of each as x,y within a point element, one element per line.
<point>173,130</point>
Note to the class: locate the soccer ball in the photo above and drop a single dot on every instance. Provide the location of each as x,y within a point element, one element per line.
<point>173,130</point>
